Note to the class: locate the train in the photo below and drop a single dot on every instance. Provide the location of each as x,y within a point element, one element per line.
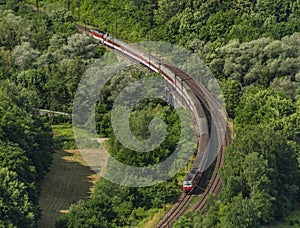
<point>103,37</point>
<point>193,177</point>
<point>191,180</point>
<point>152,63</point>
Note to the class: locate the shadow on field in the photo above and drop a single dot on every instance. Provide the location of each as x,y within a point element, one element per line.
<point>68,181</point>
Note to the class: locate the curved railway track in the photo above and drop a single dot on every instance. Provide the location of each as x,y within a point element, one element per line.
<point>176,211</point>
<point>215,184</point>
<point>217,119</point>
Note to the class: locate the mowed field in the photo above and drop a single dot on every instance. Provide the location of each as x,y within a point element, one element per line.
<point>69,180</point>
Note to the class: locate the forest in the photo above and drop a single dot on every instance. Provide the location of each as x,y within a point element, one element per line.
<point>251,46</point>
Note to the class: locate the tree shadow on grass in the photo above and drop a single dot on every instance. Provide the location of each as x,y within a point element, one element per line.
<point>68,181</point>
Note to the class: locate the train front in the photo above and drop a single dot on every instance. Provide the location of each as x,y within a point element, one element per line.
<point>187,186</point>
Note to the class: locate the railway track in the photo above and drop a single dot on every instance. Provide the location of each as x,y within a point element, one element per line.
<point>215,184</point>
<point>176,211</point>
<point>217,119</point>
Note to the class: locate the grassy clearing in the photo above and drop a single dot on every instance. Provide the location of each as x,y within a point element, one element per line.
<point>63,137</point>
<point>69,179</point>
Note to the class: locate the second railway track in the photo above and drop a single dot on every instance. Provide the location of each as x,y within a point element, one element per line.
<point>214,185</point>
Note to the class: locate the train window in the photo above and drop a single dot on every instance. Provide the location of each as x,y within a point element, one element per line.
<point>187,183</point>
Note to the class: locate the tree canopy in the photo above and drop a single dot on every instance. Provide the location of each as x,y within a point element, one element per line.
<point>252,47</point>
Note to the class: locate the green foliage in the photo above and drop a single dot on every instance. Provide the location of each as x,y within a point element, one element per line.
<point>262,106</point>
<point>261,175</point>
<point>15,206</point>
<point>192,220</point>
<point>140,119</point>
<point>181,21</point>
<point>258,166</point>
<point>113,205</point>
<point>42,53</point>
<point>63,137</point>
<point>260,62</point>
<point>293,220</point>
<point>24,56</point>
<point>124,206</point>
<point>231,91</point>
<point>14,159</point>
<point>25,155</point>
<point>21,125</point>
<point>256,177</point>
<point>244,43</point>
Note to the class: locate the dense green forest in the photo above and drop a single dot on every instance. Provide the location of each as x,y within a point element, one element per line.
<point>252,47</point>
<point>25,155</point>
<point>261,172</point>
<point>39,61</point>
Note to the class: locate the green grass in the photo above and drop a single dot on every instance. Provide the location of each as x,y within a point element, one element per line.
<point>153,217</point>
<point>69,180</point>
<point>63,137</point>
<point>193,202</point>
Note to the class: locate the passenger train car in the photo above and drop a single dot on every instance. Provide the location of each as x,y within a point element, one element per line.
<point>143,58</point>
